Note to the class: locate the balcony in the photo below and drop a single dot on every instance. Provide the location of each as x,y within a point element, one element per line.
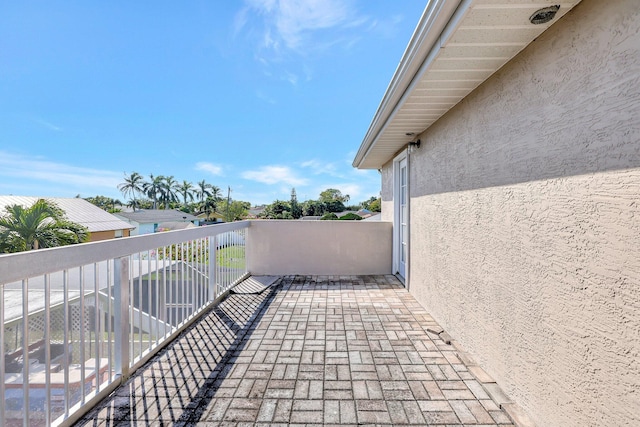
<point>218,325</point>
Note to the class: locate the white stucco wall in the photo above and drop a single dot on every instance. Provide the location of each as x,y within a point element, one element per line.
<point>281,247</point>
<point>525,221</point>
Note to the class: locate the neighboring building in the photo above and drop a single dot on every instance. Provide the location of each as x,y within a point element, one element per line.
<point>101,224</point>
<point>255,211</point>
<point>510,162</point>
<point>146,221</point>
<point>211,218</point>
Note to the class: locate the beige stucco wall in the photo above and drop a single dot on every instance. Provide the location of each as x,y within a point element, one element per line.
<point>281,247</point>
<point>386,194</point>
<point>525,221</point>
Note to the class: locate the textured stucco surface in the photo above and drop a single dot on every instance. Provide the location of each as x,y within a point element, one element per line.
<point>386,194</point>
<point>281,247</point>
<point>525,221</point>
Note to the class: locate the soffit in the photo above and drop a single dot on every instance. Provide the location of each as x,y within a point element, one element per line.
<point>479,38</point>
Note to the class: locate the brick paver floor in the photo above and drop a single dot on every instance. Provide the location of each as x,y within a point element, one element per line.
<point>311,350</point>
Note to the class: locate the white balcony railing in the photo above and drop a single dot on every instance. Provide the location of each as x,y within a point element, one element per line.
<point>78,319</point>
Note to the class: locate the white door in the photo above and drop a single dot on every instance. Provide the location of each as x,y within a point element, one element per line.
<point>402,217</point>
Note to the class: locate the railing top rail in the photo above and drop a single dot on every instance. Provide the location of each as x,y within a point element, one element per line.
<point>18,266</point>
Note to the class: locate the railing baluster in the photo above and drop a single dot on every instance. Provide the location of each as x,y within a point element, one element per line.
<point>157,295</point>
<point>82,338</point>
<point>109,317</point>
<point>140,320</point>
<point>211,267</point>
<point>149,298</point>
<point>183,285</point>
<point>192,288</point>
<point>25,351</point>
<point>170,302</point>
<point>97,324</point>
<point>121,316</point>
<point>65,339</point>
<point>47,349</point>
<point>2,365</point>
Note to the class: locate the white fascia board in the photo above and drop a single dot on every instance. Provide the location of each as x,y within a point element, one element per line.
<point>438,17</point>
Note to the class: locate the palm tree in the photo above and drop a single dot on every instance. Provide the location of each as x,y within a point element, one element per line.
<point>216,193</point>
<point>132,184</point>
<point>168,191</point>
<point>43,225</point>
<point>153,187</point>
<point>186,191</point>
<point>203,191</point>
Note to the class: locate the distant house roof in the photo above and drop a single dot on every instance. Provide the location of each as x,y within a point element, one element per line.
<point>175,225</point>
<point>343,213</point>
<point>210,216</point>
<point>257,210</point>
<point>155,216</point>
<point>77,210</point>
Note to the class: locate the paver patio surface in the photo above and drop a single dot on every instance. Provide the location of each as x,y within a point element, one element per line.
<point>310,350</point>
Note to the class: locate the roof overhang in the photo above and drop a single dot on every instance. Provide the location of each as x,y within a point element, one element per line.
<point>457,45</point>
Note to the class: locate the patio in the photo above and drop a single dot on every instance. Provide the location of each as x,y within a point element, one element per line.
<point>309,350</point>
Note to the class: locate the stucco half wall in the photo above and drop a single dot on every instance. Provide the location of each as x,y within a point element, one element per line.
<point>280,247</point>
<point>525,221</point>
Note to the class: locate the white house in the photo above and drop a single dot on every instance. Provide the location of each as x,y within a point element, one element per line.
<point>145,221</point>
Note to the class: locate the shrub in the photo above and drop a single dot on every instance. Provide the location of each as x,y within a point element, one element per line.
<point>351,216</point>
<point>329,217</point>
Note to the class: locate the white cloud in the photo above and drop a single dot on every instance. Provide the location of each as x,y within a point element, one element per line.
<point>35,169</point>
<point>210,167</point>
<point>289,23</point>
<point>48,125</point>
<point>274,175</point>
<point>320,168</point>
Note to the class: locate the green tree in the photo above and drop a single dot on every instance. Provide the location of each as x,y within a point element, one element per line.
<point>313,208</point>
<point>296,209</point>
<point>333,199</point>
<point>209,205</point>
<point>367,203</point>
<point>168,191</point>
<point>329,216</point>
<point>106,203</point>
<point>153,187</point>
<point>42,225</point>
<point>203,191</point>
<point>132,185</point>
<point>350,217</point>
<point>375,206</point>
<point>332,195</point>
<point>216,193</point>
<point>279,209</point>
<point>186,191</point>
<point>236,210</point>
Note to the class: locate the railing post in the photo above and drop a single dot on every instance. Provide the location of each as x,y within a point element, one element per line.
<point>213,240</point>
<point>121,316</point>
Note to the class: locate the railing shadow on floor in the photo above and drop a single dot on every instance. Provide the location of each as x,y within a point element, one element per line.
<point>178,384</point>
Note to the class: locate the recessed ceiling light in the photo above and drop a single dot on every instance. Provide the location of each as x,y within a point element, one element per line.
<point>544,15</point>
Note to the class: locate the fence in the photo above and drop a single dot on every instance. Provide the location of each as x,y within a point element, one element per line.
<point>78,319</point>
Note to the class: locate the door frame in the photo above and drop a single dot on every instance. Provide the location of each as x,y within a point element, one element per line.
<point>397,229</point>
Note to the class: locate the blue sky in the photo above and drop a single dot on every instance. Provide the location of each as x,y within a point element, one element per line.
<point>257,95</point>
